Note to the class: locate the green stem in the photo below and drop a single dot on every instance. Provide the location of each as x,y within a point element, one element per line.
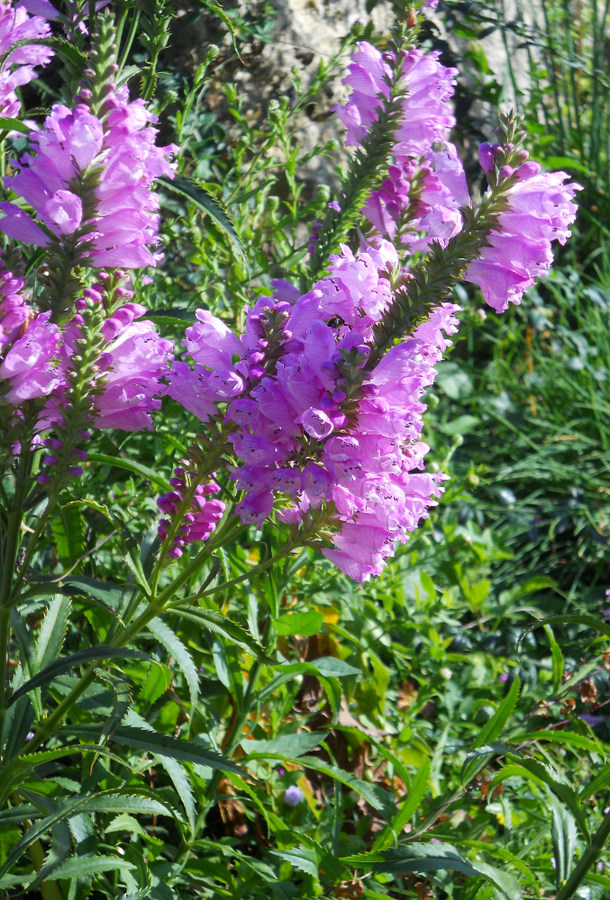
<point>586,861</point>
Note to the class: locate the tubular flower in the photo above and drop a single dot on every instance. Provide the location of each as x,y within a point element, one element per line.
<point>127,383</point>
<point>425,186</point>
<point>309,423</point>
<point>28,347</point>
<point>540,210</point>
<point>19,59</point>
<point>201,518</point>
<point>88,181</point>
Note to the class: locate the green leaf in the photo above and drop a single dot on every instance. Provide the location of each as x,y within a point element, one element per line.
<point>563,836</point>
<point>106,593</point>
<point>89,864</point>
<point>16,769</point>
<point>493,727</point>
<point>121,691</point>
<point>69,534</point>
<point>479,758</point>
<point>288,745</point>
<point>28,658</point>
<point>17,723</point>
<point>176,772</point>
<point>533,770</point>
<point>176,648</point>
<point>111,801</point>
<point>60,666</point>
<point>589,621</point>
<point>331,667</point>
<point>374,795</point>
<point>163,745</point>
<point>7,124</point>
<point>600,783</point>
<point>217,624</point>
<point>194,192</point>
<point>17,815</point>
<point>52,631</point>
<point>565,738</point>
<point>133,466</point>
<point>427,858</point>
<point>557,657</point>
<point>564,162</point>
<point>409,807</point>
<point>300,858</point>
<point>306,624</point>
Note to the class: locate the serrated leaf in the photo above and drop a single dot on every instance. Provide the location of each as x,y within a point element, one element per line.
<point>300,858</point>
<point>589,621</point>
<point>176,648</point>
<point>28,658</point>
<point>63,665</point>
<point>52,631</point>
<point>69,54</point>
<point>69,533</point>
<point>204,201</point>
<point>163,744</point>
<point>478,759</point>
<point>427,858</point>
<point>17,723</point>
<point>176,772</point>
<point>16,769</point>
<point>565,738</point>
<point>90,864</point>
<point>542,774</point>
<point>106,593</point>
<point>121,692</point>
<point>60,844</point>
<point>112,801</point>
<point>218,624</point>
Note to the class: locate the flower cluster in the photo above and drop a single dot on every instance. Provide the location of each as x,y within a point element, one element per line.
<point>539,209</point>
<point>200,519</point>
<point>317,416</point>
<point>88,181</point>
<point>28,346</point>
<point>39,361</point>
<point>310,424</point>
<point>425,186</point>
<point>126,382</point>
<point>19,57</point>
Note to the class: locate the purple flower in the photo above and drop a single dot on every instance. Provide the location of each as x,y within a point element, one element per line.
<point>291,434</point>
<point>19,61</point>
<point>113,218</point>
<point>368,77</point>
<point>28,346</point>
<point>293,795</point>
<point>133,360</point>
<point>540,209</point>
<point>202,516</point>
